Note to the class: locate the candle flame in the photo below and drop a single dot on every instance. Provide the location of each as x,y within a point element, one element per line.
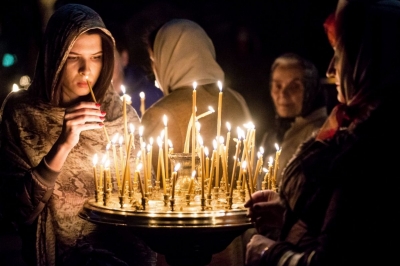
<point>121,140</point>
<point>148,147</point>
<point>193,173</point>
<point>95,159</point>
<point>215,144</point>
<point>262,150</point>
<point>108,146</point>
<point>15,88</point>
<point>131,128</point>
<point>107,164</point>
<point>141,95</point>
<point>194,85</point>
<point>206,151</point>
<point>162,133</point>
<point>170,143</point>
<point>265,170</point>
<point>271,160</point>
<point>244,165</point>
<point>165,120</point>
<point>219,85</point>
<point>103,160</point>
<point>139,167</point>
<point>211,109</point>
<point>159,141</point>
<point>123,89</point>
<point>141,128</point>
<point>276,146</point>
<point>221,139</point>
<point>200,140</point>
<point>114,139</point>
<point>177,166</point>
<point>228,125</point>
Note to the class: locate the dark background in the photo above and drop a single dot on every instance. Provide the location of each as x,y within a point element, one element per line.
<point>247,36</point>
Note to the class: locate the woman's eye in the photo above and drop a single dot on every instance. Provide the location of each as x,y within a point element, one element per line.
<point>72,58</point>
<point>97,57</point>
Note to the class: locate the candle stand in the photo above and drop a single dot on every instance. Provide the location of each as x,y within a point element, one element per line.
<point>185,236</point>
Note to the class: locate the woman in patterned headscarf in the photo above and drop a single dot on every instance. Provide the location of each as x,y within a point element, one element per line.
<point>49,135</point>
<point>337,192</point>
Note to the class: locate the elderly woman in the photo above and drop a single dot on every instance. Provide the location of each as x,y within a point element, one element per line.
<point>337,191</point>
<point>49,135</point>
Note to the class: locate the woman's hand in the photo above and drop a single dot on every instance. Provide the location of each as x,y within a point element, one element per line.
<point>77,118</point>
<point>265,210</point>
<point>255,248</point>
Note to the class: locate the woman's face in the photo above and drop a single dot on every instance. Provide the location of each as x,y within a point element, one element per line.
<point>84,60</point>
<point>287,91</point>
<point>333,71</point>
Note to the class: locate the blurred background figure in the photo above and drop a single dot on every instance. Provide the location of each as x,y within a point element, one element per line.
<point>182,53</point>
<point>133,77</point>
<point>300,106</point>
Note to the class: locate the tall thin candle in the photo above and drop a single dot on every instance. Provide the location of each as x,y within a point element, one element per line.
<point>124,116</point>
<point>95,159</point>
<point>165,120</point>
<point>194,125</point>
<point>142,105</point>
<point>94,99</point>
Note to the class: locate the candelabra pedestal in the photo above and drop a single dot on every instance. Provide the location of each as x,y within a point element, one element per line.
<point>185,236</point>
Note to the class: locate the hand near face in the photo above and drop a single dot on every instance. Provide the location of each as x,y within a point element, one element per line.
<point>265,210</point>
<point>80,117</point>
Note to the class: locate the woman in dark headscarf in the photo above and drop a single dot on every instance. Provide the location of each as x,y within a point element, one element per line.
<point>300,107</point>
<point>49,135</point>
<point>337,192</point>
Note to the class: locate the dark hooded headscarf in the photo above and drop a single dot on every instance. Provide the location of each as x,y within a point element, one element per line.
<point>63,29</point>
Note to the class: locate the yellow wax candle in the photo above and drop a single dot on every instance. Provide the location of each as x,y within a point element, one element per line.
<point>126,172</point>
<point>171,148</point>
<point>276,163</point>
<point>124,116</point>
<point>142,105</point>
<point>191,182</point>
<point>212,167</point>
<point>194,125</point>
<point>219,109</point>
<point>203,164</point>
<point>94,99</point>
<point>103,162</point>
<point>210,111</point>
<point>207,170</point>
<point>228,137</point>
<point>95,159</point>
<point>158,174</point>
<point>174,176</point>
<point>244,164</point>
<point>137,173</point>
<point>116,161</point>
<point>238,147</point>
<point>224,166</point>
<point>165,120</point>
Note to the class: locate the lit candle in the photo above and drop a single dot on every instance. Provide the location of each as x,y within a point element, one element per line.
<point>207,171</point>
<point>244,165</point>
<point>238,147</point>
<point>103,161</point>
<point>126,172</point>
<point>142,105</point>
<point>139,179</point>
<point>228,137</point>
<point>116,162</point>
<point>219,109</point>
<point>194,126</point>
<point>191,182</point>
<point>174,176</point>
<point>212,166</point>
<point>15,88</point>
<point>165,120</point>
<point>95,159</point>
<point>124,115</point>
<point>94,99</point>
<point>276,164</point>
<point>158,174</point>
<point>210,111</point>
<point>171,148</point>
<point>259,165</point>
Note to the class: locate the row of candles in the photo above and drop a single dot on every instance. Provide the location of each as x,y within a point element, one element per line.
<point>213,170</point>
